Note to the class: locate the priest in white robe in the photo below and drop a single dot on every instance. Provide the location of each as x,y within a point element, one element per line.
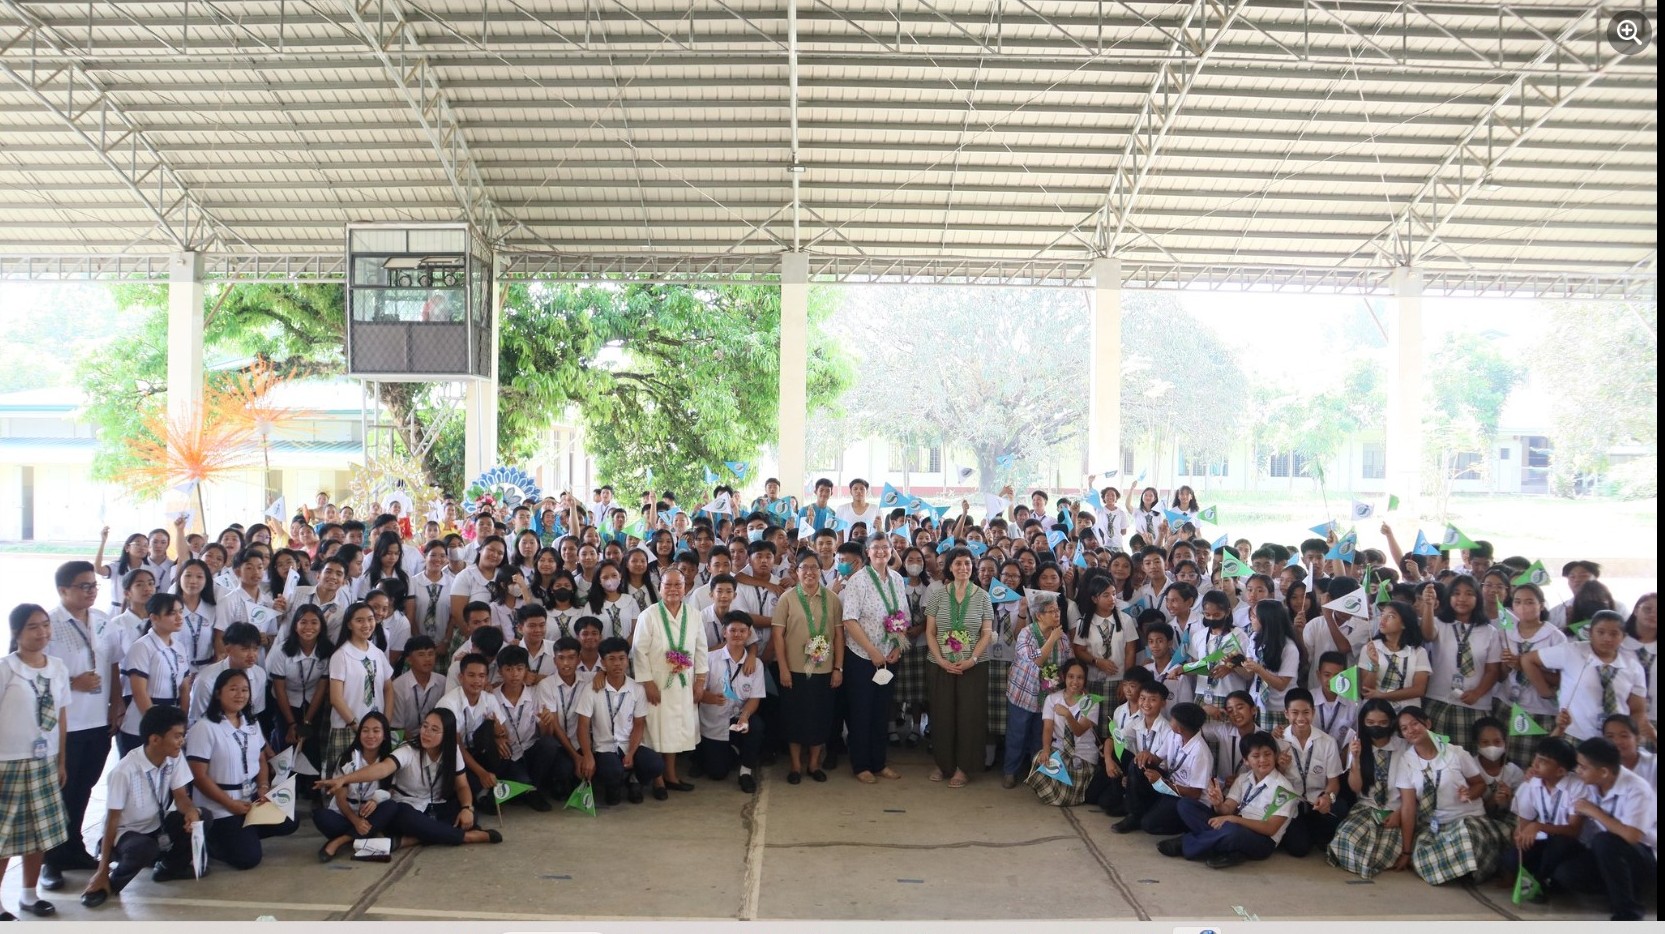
<point>669,658</point>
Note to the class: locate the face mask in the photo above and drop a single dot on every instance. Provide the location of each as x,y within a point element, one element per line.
<point>456,554</point>
<point>844,568</point>
<point>1378,732</point>
<point>1492,753</point>
<point>754,535</point>
<point>561,595</point>
<point>610,584</point>
<point>915,569</point>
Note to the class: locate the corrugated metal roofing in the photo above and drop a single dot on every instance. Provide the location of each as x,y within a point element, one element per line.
<point>1502,148</point>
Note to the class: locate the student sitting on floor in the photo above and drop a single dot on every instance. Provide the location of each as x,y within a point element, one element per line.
<point>481,736</point>
<point>359,809</point>
<point>1308,757</point>
<point>1621,815</point>
<point>1113,798</point>
<point>229,773</point>
<point>1146,740</point>
<point>1184,773</point>
<point>730,732</point>
<point>1440,791</point>
<point>611,722</point>
<point>147,794</point>
<point>530,757</point>
<point>1226,828</point>
<point>1546,834</point>
<point>1371,836</point>
<point>558,716</point>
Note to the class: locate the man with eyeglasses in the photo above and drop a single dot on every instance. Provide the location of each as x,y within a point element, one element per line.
<point>91,648</point>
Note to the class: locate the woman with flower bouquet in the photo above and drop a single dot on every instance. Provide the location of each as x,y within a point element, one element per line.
<point>668,657</point>
<point>875,632</point>
<point>958,630</point>
<point>810,661</point>
<point>1037,664</point>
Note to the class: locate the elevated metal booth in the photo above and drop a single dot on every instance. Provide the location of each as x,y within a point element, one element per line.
<point>419,303</point>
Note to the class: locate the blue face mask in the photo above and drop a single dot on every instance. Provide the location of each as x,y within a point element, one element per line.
<point>754,535</point>
<point>844,568</point>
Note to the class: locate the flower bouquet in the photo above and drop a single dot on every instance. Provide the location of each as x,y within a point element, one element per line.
<point>1049,677</point>
<point>680,662</point>
<point>954,643</point>
<point>818,650</point>
<point>896,623</point>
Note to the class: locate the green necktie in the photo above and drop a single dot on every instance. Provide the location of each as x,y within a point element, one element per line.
<point>1609,697</point>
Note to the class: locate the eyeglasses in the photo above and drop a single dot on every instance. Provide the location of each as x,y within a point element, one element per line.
<point>84,588</point>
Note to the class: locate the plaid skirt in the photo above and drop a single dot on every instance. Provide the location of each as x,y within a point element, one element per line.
<point>1110,690</point>
<point>999,672</point>
<point>1054,792</point>
<point>1454,721</point>
<point>910,677</point>
<point>1521,748</point>
<point>336,745</point>
<point>1362,845</point>
<point>1470,846</point>
<point>32,818</point>
<point>1270,720</point>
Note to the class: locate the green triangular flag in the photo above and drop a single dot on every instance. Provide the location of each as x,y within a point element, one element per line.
<point>1116,744</point>
<point>398,738</point>
<point>1440,739</point>
<point>1506,620</point>
<point>1536,574</point>
<point>506,791</point>
<point>1233,566</point>
<point>1576,630</point>
<point>637,530</point>
<point>1346,684</point>
<point>1210,514</point>
<point>582,799</point>
<point>1280,797</point>
<point>1455,539</point>
<point>1522,724</point>
<point>1384,593</point>
<point>1393,502</point>
<point>1525,887</point>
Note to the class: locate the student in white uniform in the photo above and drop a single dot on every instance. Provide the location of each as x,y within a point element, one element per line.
<point>392,628</point>
<point>1393,666</point>
<point>1597,679</point>
<point>1466,651</point>
<point>1531,632</point>
<point>858,509</point>
<point>530,757</point>
<point>1230,826</point>
<point>1333,714</point>
<point>533,622</point>
<point>201,612</point>
<point>1107,639</point>
<point>247,602</point>
<point>1272,662</point>
<point>612,721</point>
<point>357,810</point>
<point>1620,730</point>
<point>148,800</point>
<point>1440,791</point>
<point>558,715</point>
<point>1240,720</point>
<point>229,773</point>
<point>1211,687</point>
<point>1147,739</point>
<point>157,672</point>
<point>361,680</point>
<point>433,803</point>
<point>1371,838</point>
<point>729,733</point>
<point>1181,773</point>
<point>1620,832</point>
<point>298,669</point>
<point>430,589</point>
<point>481,734</point>
<point>331,596</point>
<point>1547,826</point>
<point>35,707</point>
<point>242,644</point>
<point>1642,643</point>
<point>1334,632</point>
<point>1311,761</point>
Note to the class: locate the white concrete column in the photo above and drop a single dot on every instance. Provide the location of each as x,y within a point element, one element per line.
<point>1405,391</point>
<point>480,401</point>
<point>794,370</point>
<point>1104,407</point>
<point>185,297</point>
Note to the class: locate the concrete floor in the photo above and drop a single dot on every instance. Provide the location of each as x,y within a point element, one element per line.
<point>902,850</point>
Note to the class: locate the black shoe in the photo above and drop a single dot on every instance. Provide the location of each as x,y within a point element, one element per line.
<point>6,915</point>
<point>1226,860</point>
<point>793,778</point>
<point>1173,846</point>
<point>679,786</point>
<point>748,784</point>
<point>612,795</point>
<point>537,802</point>
<point>94,899</point>
<point>818,775</point>
<point>634,793</point>
<point>1126,825</point>
<point>324,854</point>
<point>119,882</point>
<point>659,794</point>
<point>494,836</point>
<point>51,878</point>
<point>165,874</point>
<point>40,909</point>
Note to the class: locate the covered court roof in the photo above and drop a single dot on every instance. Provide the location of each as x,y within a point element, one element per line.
<point>1308,144</point>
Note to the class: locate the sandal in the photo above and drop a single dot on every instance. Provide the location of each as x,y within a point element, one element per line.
<point>958,781</point>
<point>867,778</point>
<point>936,775</point>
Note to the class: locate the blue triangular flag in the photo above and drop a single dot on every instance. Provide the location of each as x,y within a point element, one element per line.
<point>945,545</point>
<point>977,548</point>
<point>890,498</point>
<point>781,508</point>
<point>1055,538</point>
<point>1093,499</point>
<point>1217,544</point>
<point>1138,606</point>
<point>729,692</point>
<point>1053,768</point>
<point>839,525</point>
<point>739,468</point>
<point>1324,529</point>
<point>1341,551</point>
<point>1000,593</point>
<point>1005,461</point>
<point>1424,546</point>
<point>914,505</point>
<point>939,510</point>
<point>1293,562</point>
<point>1080,558</point>
<point>1175,518</point>
<point>902,532</point>
<point>966,472</point>
<point>1067,521</point>
<point>711,477</point>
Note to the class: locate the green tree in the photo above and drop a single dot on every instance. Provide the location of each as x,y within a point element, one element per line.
<point>1317,426</point>
<point>1602,361</point>
<point>1182,386</point>
<point>1468,383</point>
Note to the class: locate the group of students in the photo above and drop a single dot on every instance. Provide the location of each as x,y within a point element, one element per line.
<point>1092,653</point>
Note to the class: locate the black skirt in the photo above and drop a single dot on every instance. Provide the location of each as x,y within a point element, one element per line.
<point>809,709</point>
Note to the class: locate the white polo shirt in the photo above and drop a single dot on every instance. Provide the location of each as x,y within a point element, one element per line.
<point>421,782</point>
<point>412,701</point>
<point>1254,797</point>
<point>471,716</point>
<point>1383,793</point>
<point>1632,802</point>
<point>301,674</point>
<point>1143,737</point>
<point>1083,747</point>
<point>1448,772</point>
<point>1485,642</point>
<point>725,669</point>
<point>1337,717</point>
<point>232,755</point>
<point>1189,763</point>
<point>561,699</point>
<point>202,690</point>
<point>143,792</point>
<point>164,668</point>
<point>1580,692</point>
<point>83,647</point>
<point>1535,801</point>
<point>363,675</point>
<point>612,713</point>
<point>32,700</point>
<point>1311,764</point>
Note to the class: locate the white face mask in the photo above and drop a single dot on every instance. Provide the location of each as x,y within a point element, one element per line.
<point>610,584</point>
<point>1492,753</point>
<point>915,568</point>
<point>456,554</point>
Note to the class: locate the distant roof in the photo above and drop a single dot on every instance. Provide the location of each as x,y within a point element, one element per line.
<point>1501,148</point>
<point>334,397</point>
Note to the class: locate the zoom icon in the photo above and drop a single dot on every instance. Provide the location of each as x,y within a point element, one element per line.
<point>1629,32</point>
